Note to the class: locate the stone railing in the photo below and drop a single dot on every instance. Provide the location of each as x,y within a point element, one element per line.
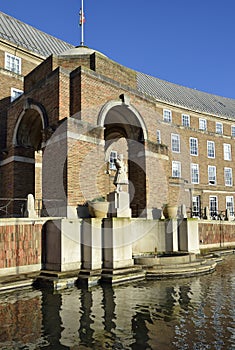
<point>206,214</point>
<point>30,207</point>
<point>12,207</point>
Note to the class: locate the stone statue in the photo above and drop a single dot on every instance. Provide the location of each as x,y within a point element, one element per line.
<point>30,210</point>
<point>121,173</point>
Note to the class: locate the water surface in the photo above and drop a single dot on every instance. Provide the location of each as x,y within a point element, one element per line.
<point>191,313</point>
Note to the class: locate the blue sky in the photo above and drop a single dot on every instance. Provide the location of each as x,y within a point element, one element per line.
<point>187,42</point>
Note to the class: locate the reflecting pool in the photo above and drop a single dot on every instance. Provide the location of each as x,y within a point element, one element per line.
<point>193,313</point>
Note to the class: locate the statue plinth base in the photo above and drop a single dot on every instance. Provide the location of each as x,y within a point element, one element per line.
<point>119,204</point>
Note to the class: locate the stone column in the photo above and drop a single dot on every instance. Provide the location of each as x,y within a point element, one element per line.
<point>91,244</point>
<point>189,236</point>
<point>117,250</point>
<point>171,235</point>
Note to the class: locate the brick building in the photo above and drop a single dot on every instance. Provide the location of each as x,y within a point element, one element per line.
<point>77,109</point>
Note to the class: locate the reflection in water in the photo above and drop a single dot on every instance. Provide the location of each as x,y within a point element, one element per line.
<point>140,330</point>
<point>85,331</point>
<point>51,320</point>
<point>20,319</point>
<point>108,305</point>
<point>194,313</point>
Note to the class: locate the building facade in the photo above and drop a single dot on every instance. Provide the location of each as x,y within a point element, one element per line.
<point>67,112</point>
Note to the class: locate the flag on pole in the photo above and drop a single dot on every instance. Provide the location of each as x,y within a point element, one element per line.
<point>81,17</point>
<point>81,22</point>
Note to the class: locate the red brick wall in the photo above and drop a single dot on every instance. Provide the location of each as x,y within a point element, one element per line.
<point>75,98</point>
<point>52,93</point>
<point>40,72</point>
<point>216,232</point>
<point>73,62</point>
<point>115,71</point>
<point>20,245</point>
<point>85,159</point>
<point>8,80</point>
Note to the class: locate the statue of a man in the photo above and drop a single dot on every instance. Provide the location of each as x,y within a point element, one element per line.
<point>121,173</point>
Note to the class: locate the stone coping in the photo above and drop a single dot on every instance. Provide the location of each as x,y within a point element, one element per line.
<point>165,259</point>
<point>26,221</point>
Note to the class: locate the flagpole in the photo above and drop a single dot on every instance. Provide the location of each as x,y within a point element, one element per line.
<point>82,24</point>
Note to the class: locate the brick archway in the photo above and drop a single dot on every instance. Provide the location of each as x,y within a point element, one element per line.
<point>27,145</point>
<point>29,126</point>
<point>125,133</point>
<point>129,110</point>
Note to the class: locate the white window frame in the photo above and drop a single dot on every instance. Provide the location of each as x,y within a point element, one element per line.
<point>228,176</point>
<point>12,63</point>
<point>15,93</point>
<point>195,173</point>
<point>227,151</point>
<point>210,149</point>
<point>175,143</point>
<point>158,136</point>
<point>212,175</point>
<point>233,130</point>
<point>193,145</point>
<point>176,169</point>
<point>213,208</point>
<point>219,128</point>
<point>167,115</point>
<point>202,124</point>
<point>186,120</point>
<point>112,157</point>
<point>196,206</point>
<point>230,204</point>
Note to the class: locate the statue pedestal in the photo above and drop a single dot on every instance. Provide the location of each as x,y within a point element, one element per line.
<point>119,204</point>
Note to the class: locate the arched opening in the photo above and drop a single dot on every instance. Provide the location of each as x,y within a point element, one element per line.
<point>29,131</point>
<point>27,140</point>
<point>124,134</point>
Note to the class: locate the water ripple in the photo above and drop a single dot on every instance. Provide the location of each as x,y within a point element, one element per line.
<point>194,313</point>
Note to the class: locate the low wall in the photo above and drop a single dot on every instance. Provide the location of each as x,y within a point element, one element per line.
<point>154,236</point>
<point>20,245</point>
<point>147,236</point>
<point>22,241</point>
<point>216,234</point>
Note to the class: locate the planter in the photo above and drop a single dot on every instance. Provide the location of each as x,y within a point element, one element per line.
<point>170,211</point>
<point>98,209</point>
<point>83,211</point>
